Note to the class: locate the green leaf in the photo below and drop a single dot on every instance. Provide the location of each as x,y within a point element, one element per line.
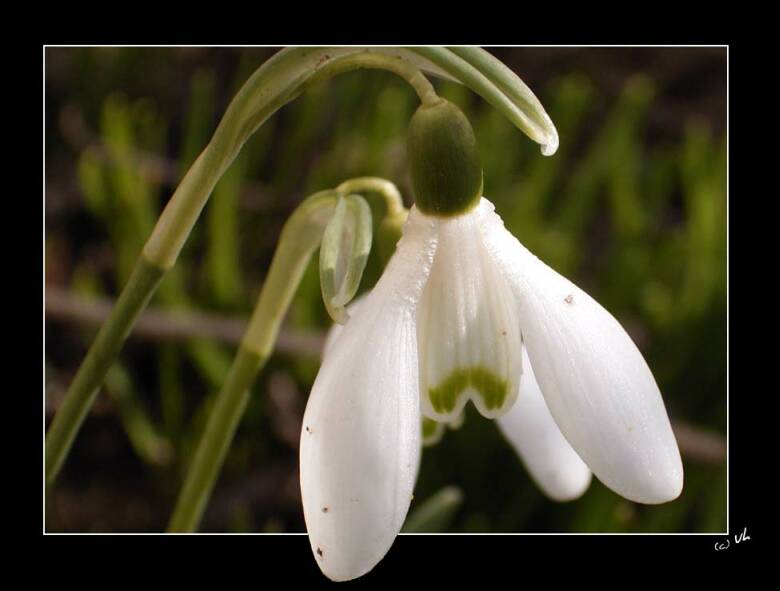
<point>436,513</point>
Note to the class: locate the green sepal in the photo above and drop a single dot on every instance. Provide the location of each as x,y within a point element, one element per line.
<point>344,252</point>
<point>444,160</point>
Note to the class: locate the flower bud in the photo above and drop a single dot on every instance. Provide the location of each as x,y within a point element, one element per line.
<point>344,251</point>
<point>444,159</point>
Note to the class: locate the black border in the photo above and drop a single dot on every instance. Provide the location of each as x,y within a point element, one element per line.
<point>417,559</point>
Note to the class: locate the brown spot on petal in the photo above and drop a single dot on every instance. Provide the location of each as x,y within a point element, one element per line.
<point>324,509</point>
<point>319,550</point>
<point>569,299</point>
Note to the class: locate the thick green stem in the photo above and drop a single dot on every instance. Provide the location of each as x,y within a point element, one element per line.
<point>300,237</point>
<point>84,388</point>
<point>216,440</point>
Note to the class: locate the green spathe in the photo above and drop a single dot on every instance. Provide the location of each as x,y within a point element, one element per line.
<point>444,159</point>
<point>490,387</point>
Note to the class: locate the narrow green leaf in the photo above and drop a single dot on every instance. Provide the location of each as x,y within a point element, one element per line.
<point>506,81</point>
<point>148,443</point>
<point>500,87</point>
<point>436,513</point>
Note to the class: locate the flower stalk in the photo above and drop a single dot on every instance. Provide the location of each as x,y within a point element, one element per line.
<point>82,392</point>
<point>300,238</point>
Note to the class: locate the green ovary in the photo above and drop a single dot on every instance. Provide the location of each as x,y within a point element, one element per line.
<point>490,387</point>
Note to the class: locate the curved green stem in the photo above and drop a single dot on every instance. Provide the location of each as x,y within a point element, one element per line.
<point>368,59</point>
<point>300,237</point>
<point>82,392</point>
<point>216,440</point>
<point>388,191</point>
<point>391,226</point>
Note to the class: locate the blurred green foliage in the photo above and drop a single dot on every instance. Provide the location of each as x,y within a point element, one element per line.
<point>640,225</point>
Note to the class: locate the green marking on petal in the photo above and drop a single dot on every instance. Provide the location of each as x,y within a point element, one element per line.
<point>432,431</point>
<point>490,387</point>
<point>429,427</point>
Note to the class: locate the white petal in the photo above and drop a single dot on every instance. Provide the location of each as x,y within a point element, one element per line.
<point>596,383</point>
<point>335,329</point>
<point>432,431</point>
<point>552,463</point>
<point>360,441</point>
<point>467,327</point>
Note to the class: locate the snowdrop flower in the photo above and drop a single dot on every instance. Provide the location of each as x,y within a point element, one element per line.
<point>528,426</point>
<point>462,313</point>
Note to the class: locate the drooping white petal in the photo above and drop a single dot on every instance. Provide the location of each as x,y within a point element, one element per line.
<point>595,381</point>
<point>528,426</point>
<point>432,431</point>
<point>335,329</point>
<point>467,327</point>
<point>360,441</point>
